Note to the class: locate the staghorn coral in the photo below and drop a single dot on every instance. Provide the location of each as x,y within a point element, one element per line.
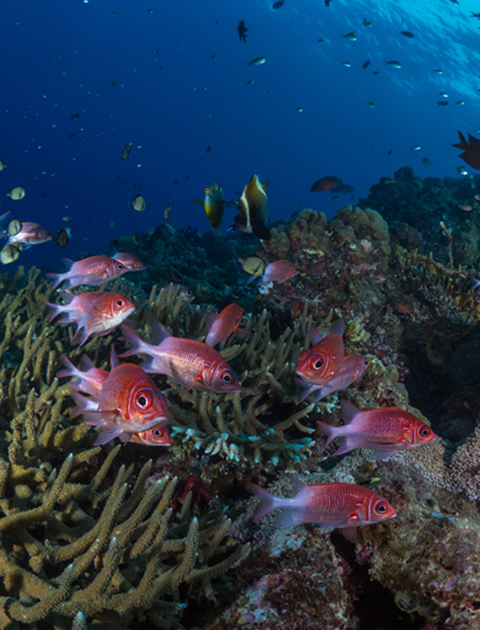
<point>77,534</point>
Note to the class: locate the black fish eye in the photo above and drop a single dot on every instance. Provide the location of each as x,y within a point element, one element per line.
<point>425,432</point>
<point>143,401</point>
<point>226,378</point>
<point>381,508</point>
<point>157,433</point>
<point>120,303</point>
<point>318,364</point>
<point>120,266</point>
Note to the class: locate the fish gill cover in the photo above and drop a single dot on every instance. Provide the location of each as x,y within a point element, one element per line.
<point>336,298</point>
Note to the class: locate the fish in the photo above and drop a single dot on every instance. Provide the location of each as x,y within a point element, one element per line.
<point>168,210</point>
<point>3,165</point>
<point>442,104</point>
<point>156,436</point>
<point>131,262</point>
<point>75,116</point>
<point>471,150</point>
<point>16,193</point>
<point>126,150</point>
<point>299,109</point>
<point>319,364</point>
<point>278,4</point>
<point>278,271</point>
<point>14,227</point>
<point>407,34</point>
<point>252,209</point>
<point>394,64</point>
<point>30,234</point>
<point>352,36</point>
<point>426,162</point>
<point>214,205</point>
<point>386,430</point>
<point>92,271</point>
<point>365,64</point>
<point>190,363</point>
<point>258,61</point>
<point>127,403</point>
<point>253,265</point>
<point>10,253</point>
<point>332,183</point>
<point>62,237</point>
<point>367,23</point>
<point>138,203</point>
<point>242,31</point>
<point>333,505</point>
<point>223,325</point>
<point>95,313</point>
<point>351,369</point>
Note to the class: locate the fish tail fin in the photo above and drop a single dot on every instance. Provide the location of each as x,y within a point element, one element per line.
<point>57,278</point>
<point>131,337</point>
<point>84,405</point>
<point>82,333</point>
<point>57,309</point>
<point>330,432</point>
<point>210,317</point>
<point>69,369</point>
<point>267,501</point>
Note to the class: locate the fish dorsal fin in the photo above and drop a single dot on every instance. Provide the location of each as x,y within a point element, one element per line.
<point>210,317</point>
<point>337,328</point>
<point>159,333</point>
<point>114,360</point>
<point>349,411</point>
<point>314,335</point>
<point>265,185</point>
<point>299,485</point>
<point>67,262</point>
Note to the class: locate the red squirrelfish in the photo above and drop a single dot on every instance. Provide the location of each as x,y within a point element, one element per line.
<point>190,363</point>
<point>386,430</point>
<point>128,402</point>
<point>223,325</point>
<point>30,234</point>
<point>278,271</point>
<point>351,368</point>
<point>91,271</point>
<point>131,262</point>
<point>333,505</point>
<point>92,379</point>
<point>319,364</point>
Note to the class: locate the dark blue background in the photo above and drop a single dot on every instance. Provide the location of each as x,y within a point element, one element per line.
<point>172,101</point>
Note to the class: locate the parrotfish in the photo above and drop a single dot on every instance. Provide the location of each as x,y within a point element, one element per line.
<point>471,150</point>
<point>278,271</point>
<point>386,430</point>
<point>333,505</point>
<point>30,234</point>
<point>214,205</point>
<point>91,271</point>
<point>127,403</point>
<point>223,325</point>
<point>190,363</point>
<point>131,262</point>
<point>252,209</point>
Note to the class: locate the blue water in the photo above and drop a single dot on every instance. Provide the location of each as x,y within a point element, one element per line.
<point>172,100</point>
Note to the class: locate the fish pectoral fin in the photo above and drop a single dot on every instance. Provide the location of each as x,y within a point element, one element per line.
<point>350,533</point>
<point>106,434</point>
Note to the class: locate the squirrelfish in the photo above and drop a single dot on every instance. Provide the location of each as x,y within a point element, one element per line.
<point>131,262</point>
<point>333,505</point>
<point>91,271</point>
<point>252,209</point>
<point>190,363</point>
<point>386,430</point>
<point>127,403</point>
<point>95,313</point>
<point>30,234</point>
<point>214,204</point>
<point>278,271</point>
<point>156,436</point>
<point>351,368</point>
<point>223,325</point>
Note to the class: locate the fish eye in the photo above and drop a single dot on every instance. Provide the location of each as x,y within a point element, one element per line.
<point>226,378</point>
<point>120,303</point>
<point>425,432</point>
<point>158,433</point>
<point>120,266</point>
<point>317,364</point>
<point>144,400</point>
<point>365,362</point>
<point>381,508</point>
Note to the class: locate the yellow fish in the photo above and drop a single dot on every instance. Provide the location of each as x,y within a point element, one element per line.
<point>252,209</point>
<point>214,204</point>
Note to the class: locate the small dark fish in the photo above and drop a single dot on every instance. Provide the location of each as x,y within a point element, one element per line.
<point>390,152</point>
<point>209,148</point>
<point>126,150</point>
<point>168,210</point>
<point>63,237</point>
<point>332,183</point>
<point>136,238</point>
<point>442,103</point>
<point>366,64</point>
<point>242,29</point>
<point>74,116</point>
<point>113,83</point>
<point>277,5</point>
<point>72,135</point>
<point>407,34</point>
<point>327,3</point>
